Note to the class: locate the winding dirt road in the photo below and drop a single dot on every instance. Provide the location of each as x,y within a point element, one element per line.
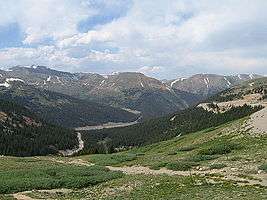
<point>108,125</point>
<point>70,152</point>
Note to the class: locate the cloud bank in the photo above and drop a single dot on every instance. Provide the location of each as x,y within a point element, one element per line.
<point>163,38</point>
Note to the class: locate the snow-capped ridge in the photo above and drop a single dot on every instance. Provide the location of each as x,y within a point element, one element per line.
<point>8,80</point>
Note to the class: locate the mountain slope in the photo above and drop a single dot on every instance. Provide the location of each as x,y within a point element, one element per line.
<point>23,134</point>
<point>58,108</point>
<point>125,90</point>
<point>251,87</point>
<point>207,85</point>
<point>129,90</point>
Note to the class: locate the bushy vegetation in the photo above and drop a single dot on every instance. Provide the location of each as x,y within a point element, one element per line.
<point>263,167</point>
<point>181,165</point>
<point>199,158</point>
<point>155,130</point>
<point>49,177</point>
<point>221,148</point>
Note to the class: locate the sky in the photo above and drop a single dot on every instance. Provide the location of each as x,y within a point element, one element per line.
<point>160,38</point>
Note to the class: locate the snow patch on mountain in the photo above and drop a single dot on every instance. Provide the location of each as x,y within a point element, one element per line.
<point>207,81</point>
<point>228,82</point>
<point>48,79</point>
<point>5,84</point>
<point>177,80</point>
<point>8,80</point>
<point>102,82</point>
<point>14,79</point>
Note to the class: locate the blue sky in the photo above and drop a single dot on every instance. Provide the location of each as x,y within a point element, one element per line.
<point>161,38</point>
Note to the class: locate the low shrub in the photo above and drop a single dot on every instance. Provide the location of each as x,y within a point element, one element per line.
<point>220,149</point>
<point>187,148</point>
<point>158,166</point>
<point>263,167</point>
<point>181,166</point>
<point>218,166</point>
<point>50,177</point>
<point>199,158</point>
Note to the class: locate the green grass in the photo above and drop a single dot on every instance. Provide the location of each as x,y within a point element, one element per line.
<point>111,159</point>
<point>35,174</point>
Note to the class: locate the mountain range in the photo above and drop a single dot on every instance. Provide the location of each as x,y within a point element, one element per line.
<point>129,91</point>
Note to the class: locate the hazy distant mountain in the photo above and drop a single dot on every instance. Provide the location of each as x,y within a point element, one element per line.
<point>128,89</point>
<point>244,90</point>
<point>209,84</point>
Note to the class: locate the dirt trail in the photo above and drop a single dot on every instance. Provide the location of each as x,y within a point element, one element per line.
<point>258,179</point>
<point>70,152</point>
<point>258,122</point>
<point>23,195</point>
<point>72,162</point>
<point>228,173</point>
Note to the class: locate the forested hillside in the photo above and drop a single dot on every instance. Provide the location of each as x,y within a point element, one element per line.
<point>60,109</point>
<point>187,121</point>
<point>23,134</point>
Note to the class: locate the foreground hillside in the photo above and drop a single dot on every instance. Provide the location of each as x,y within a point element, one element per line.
<point>224,162</point>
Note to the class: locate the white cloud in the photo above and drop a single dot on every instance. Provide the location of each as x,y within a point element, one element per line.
<point>149,69</point>
<point>185,36</point>
<point>53,19</point>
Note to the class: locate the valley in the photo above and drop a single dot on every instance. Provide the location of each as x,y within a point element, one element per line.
<point>225,158</point>
<point>76,148</point>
